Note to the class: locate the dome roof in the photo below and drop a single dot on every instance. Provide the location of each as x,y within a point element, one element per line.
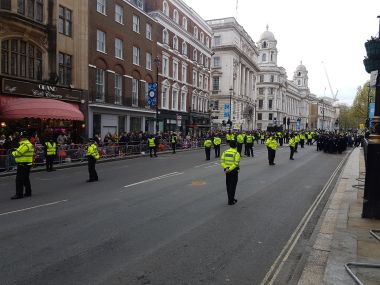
<point>301,67</point>
<point>267,35</point>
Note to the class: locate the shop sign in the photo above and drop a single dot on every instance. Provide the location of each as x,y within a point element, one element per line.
<point>40,90</point>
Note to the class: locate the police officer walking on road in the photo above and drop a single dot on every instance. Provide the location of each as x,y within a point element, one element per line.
<point>207,144</point>
<point>272,146</point>
<point>24,159</point>
<point>292,145</point>
<point>230,163</point>
<point>249,145</point>
<point>217,142</point>
<point>50,153</point>
<point>92,156</point>
<point>152,144</point>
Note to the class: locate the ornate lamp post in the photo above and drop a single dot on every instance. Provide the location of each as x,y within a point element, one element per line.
<point>371,201</point>
<point>157,62</point>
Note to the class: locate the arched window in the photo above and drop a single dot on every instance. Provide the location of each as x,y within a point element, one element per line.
<point>175,43</point>
<point>184,23</point>
<point>264,44</point>
<point>184,48</point>
<point>165,36</point>
<point>21,58</point>
<point>264,57</point>
<point>175,16</point>
<point>165,8</point>
<point>202,37</point>
<point>195,55</point>
<point>196,32</point>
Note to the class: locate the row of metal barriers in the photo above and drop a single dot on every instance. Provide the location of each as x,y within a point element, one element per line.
<point>71,153</point>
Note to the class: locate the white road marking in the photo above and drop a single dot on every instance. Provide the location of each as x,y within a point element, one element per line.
<point>213,165</point>
<point>34,207</point>
<point>204,164</point>
<point>155,178</point>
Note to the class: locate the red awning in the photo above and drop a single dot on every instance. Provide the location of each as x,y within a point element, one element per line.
<point>19,108</point>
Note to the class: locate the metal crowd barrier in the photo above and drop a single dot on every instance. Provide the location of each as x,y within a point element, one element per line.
<point>71,153</point>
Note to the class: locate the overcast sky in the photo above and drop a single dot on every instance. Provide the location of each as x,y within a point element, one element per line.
<point>332,31</point>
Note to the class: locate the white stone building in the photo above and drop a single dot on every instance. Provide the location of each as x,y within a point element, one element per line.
<point>234,71</point>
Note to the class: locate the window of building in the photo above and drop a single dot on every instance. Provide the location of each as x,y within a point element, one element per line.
<point>196,32</point>
<point>195,75</point>
<point>118,88</point>
<point>148,61</point>
<point>272,78</point>
<point>100,41</point>
<point>184,23</point>
<point>264,44</point>
<point>206,62</point>
<point>135,92</point>
<point>299,82</point>
<point>215,83</point>
<point>20,58</point>
<point>165,37</point>
<point>65,69</point>
<point>175,99</point>
<point>261,104</point>
<point>101,6</point>
<point>206,83</point>
<point>175,43</point>
<point>175,70</point>
<point>136,56</point>
<point>21,7</point>
<point>271,91</point>
<point>165,66</point>
<point>118,48</point>
<point>217,41</point>
<point>270,104</point>
<point>264,57</point>
<point>202,59</point>
<point>215,105</point>
<point>259,116</point>
<point>148,31</point>
<point>65,21</point>
<point>202,38</point>
<point>216,61</point>
<point>175,16</point>
<point>5,4</point>
<point>184,48</point>
<point>208,42</point>
<point>119,14</point>
<point>32,9</point>
<point>136,24</point>
<point>200,82</point>
<point>165,97</point>
<point>100,85</point>
<point>195,55</point>
<point>165,8</point>
<point>261,79</point>
<point>270,116</point>
<point>184,73</point>
<point>183,101</point>
<point>261,91</point>
<point>194,103</point>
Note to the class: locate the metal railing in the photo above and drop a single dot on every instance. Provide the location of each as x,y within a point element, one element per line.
<point>72,153</point>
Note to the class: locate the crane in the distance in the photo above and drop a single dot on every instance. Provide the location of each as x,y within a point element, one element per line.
<point>334,96</point>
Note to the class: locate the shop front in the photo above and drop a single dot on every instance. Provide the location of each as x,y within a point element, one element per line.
<point>198,123</point>
<point>41,109</point>
<point>170,121</point>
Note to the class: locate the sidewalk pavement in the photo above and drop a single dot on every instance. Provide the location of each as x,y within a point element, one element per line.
<point>344,236</point>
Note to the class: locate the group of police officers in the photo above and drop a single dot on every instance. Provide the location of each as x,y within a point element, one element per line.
<point>328,142</point>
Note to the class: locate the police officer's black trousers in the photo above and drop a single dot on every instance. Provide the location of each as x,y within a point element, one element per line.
<point>174,147</point>
<point>22,180</point>
<point>152,149</point>
<point>217,150</point>
<point>271,155</point>
<point>302,142</point>
<point>49,162</point>
<point>208,152</point>
<point>239,147</point>
<point>249,149</point>
<point>291,152</point>
<point>231,182</point>
<point>281,141</point>
<point>91,168</point>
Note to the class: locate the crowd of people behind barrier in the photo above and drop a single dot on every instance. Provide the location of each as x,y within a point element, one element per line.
<point>113,145</point>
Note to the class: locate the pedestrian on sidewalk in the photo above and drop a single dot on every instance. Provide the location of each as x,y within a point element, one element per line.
<point>230,161</point>
<point>50,149</point>
<point>271,144</point>
<point>92,156</point>
<point>24,159</point>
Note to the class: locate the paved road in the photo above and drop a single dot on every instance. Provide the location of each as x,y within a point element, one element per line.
<point>157,221</point>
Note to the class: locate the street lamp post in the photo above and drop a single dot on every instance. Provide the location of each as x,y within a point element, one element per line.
<point>157,61</point>
<point>323,113</point>
<point>254,115</point>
